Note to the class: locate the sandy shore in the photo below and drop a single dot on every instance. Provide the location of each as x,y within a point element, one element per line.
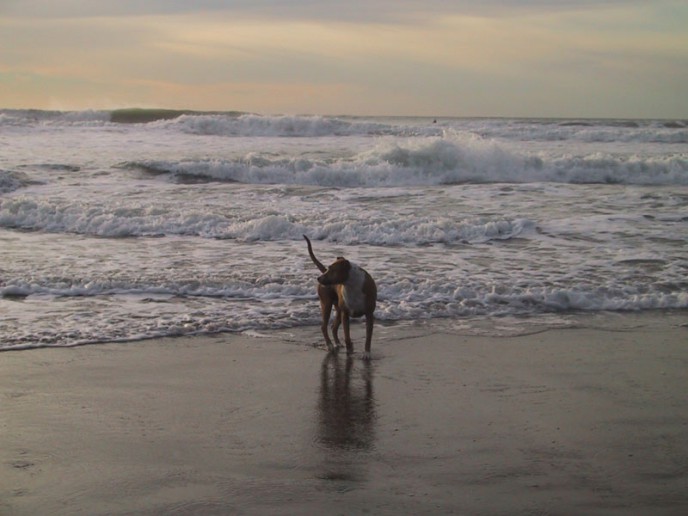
<point>577,421</point>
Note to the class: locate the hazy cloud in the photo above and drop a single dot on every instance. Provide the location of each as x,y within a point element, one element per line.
<point>327,10</point>
<point>494,57</point>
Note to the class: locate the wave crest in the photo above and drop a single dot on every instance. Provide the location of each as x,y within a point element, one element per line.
<point>248,125</point>
<point>455,159</point>
<point>118,221</point>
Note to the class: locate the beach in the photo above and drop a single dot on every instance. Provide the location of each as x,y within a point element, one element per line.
<point>589,419</point>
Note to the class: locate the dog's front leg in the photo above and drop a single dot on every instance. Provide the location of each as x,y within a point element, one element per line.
<point>370,321</point>
<point>347,332</point>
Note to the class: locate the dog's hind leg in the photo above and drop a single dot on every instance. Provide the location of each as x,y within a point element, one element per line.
<point>347,332</point>
<point>326,311</point>
<point>335,327</point>
<point>370,321</point>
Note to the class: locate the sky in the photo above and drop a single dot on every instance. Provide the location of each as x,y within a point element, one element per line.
<point>510,58</point>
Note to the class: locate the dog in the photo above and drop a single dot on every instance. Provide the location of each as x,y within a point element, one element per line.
<point>352,292</point>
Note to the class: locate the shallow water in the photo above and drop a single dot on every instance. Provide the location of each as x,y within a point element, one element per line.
<point>114,231</point>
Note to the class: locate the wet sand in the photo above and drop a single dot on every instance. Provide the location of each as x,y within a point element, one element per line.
<point>591,420</point>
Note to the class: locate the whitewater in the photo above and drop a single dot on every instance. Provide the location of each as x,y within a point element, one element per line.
<point>134,224</point>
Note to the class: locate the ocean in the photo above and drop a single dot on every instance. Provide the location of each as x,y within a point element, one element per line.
<point>132,224</point>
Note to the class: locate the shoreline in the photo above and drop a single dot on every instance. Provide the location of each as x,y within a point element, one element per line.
<point>494,326</point>
<point>583,419</point>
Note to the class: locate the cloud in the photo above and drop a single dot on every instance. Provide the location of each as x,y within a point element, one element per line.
<point>359,11</point>
<point>496,57</point>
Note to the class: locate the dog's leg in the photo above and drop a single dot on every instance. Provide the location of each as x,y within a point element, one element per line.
<point>370,321</point>
<point>326,311</point>
<point>335,327</point>
<point>347,332</point>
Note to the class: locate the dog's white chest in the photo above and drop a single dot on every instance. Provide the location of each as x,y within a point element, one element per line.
<point>354,299</point>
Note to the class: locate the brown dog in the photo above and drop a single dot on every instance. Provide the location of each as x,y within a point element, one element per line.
<point>352,292</point>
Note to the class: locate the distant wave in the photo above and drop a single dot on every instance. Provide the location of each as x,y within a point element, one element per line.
<point>34,117</point>
<point>143,116</point>
<point>585,131</point>
<point>240,124</point>
<point>291,126</point>
<point>28,117</point>
<point>236,124</point>
<point>228,124</point>
<point>429,162</point>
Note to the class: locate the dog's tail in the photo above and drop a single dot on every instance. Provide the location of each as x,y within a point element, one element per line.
<point>315,260</point>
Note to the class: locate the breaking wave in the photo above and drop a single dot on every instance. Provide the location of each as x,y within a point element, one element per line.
<point>430,162</point>
<point>240,124</point>
<point>228,124</point>
<point>117,221</point>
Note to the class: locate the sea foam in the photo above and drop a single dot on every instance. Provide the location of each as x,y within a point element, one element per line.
<point>118,221</point>
<point>10,181</point>
<point>156,223</point>
<point>237,124</point>
<point>456,159</point>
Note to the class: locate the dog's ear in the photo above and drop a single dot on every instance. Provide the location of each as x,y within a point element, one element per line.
<point>344,264</point>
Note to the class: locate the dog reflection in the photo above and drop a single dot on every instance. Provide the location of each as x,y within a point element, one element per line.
<point>347,407</point>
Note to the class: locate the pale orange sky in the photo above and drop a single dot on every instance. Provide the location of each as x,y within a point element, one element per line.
<point>596,58</point>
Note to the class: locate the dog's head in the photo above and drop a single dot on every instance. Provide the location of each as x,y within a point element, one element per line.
<point>337,273</point>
